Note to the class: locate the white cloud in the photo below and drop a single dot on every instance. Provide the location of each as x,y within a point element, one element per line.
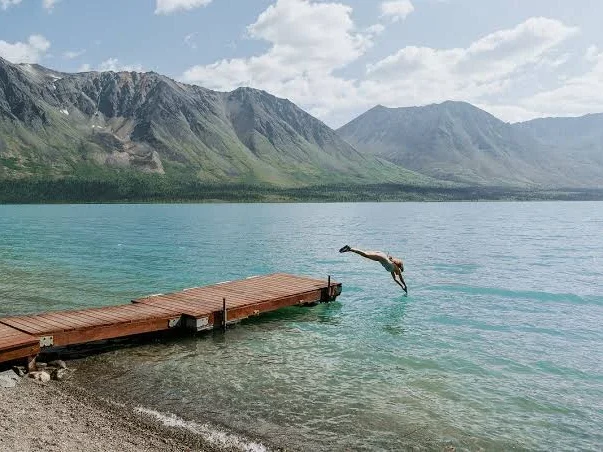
<point>49,4</point>
<point>487,68</point>
<point>73,54</point>
<point>375,29</point>
<point>113,64</point>
<point>592,54</point>
<point>309,41</point>
<point>25,52</point>
<point>508,113</point>
<point>577,95</point>
<point>396,10</point>
<point>321,34</point>
<point>5,4</point>
<point>489,58</point>
<point>170,6</point>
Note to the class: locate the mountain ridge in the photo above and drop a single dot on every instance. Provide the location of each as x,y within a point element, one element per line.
<point>55,124</point>
<point>459,142</point>
<point>97,124</point>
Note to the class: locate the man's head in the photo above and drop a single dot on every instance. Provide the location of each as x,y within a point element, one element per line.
<point>397,262</point>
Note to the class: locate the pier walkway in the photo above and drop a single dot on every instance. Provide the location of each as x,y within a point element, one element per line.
<point>194,309</point>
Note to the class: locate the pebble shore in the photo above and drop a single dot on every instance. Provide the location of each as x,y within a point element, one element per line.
<point>59,416</point>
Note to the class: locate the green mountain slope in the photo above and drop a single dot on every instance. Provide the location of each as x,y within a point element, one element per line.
<point>96,123</point>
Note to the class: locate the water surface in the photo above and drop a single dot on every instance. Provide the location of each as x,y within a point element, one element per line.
<point>499,344</point>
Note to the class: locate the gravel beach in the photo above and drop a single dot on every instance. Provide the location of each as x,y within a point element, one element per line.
<point>59,416</point>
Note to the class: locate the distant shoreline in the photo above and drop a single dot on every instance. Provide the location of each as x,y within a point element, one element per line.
<point>149,190</point>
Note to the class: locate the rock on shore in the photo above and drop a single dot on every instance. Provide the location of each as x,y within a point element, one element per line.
<point>9,379</point>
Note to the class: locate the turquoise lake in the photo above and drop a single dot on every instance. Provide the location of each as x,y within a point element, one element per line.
<point>499,344</point>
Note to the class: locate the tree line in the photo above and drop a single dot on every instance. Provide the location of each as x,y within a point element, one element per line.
<point>136,187</point>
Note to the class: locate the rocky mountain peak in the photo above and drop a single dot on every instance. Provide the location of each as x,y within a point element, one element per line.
<point>143,121</point>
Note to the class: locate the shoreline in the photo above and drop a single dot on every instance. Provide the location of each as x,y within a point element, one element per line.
<point>150,191</point>
<point>62,416</point>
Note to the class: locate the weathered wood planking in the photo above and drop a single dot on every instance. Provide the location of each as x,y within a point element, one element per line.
<point>62,328</point>
<point>15,344</point>
<point>197,308</point>
<point>245,298</point>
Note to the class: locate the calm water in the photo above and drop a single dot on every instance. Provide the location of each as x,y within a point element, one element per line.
<point>499,345</point>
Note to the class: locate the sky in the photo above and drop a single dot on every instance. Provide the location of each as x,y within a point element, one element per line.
<point>517,59</point>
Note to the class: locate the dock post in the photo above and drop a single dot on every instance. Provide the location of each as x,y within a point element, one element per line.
<point>329,287</point>
<point>224,314</point>
<point>30,363</point>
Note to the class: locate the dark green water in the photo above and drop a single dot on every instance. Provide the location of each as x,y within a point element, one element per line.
<point>498,346</point>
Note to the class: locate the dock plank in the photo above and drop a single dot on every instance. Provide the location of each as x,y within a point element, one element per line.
<point>15,344</point>
<point>33,327</point>
<point>240,293</point>
<point>20,335</point>
<point>278,289</point>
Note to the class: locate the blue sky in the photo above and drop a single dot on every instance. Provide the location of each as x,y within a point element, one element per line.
<point>516,59</point>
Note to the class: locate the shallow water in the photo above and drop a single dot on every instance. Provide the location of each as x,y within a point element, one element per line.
<point>499,344</point>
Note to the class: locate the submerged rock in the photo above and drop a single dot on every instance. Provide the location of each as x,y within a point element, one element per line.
<point>9,379</point>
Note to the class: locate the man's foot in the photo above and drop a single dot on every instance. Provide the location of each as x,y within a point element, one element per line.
<point>345,249</point>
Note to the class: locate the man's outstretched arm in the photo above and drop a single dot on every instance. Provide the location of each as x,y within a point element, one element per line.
<point>399,283</point>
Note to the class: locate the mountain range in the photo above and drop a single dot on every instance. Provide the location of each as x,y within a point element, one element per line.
<point>55,124</point>
<point>94,125</point>
<point>457,141</point>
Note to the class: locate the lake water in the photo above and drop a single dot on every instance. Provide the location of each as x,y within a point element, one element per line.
<point>499,344</point>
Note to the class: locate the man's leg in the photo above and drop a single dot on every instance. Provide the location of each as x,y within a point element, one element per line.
<point>372,255</point>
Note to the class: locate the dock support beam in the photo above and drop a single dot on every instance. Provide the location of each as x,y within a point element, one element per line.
<point>330,292</point>
<point>224,314</point>
<point>30,363</point>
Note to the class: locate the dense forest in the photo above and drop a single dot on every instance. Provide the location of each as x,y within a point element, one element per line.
<point>137,187</point>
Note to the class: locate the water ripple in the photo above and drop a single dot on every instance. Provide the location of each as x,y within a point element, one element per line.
<point>497,346</point>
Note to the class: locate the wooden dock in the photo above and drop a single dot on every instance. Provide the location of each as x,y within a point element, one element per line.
<point>194,309</point>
